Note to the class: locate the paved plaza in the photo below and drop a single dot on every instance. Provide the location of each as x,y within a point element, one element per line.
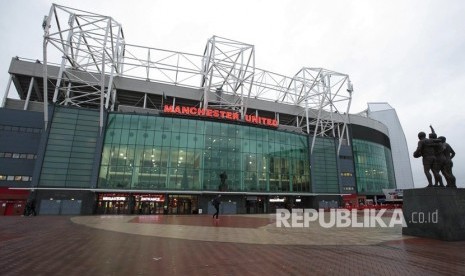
<point>199,245</point>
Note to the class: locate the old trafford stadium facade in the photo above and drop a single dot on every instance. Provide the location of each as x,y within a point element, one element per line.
<point>101,126</point>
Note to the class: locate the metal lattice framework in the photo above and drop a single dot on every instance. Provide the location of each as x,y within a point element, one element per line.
<point>326,102</point>
<point>94,52</point>
<point>91,47</point>
<point>228,67</point>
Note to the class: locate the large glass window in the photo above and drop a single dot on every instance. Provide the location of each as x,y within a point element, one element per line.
<point>70,151</point>
<point>373,167</point>
<point>324,166</point>
<point>149,152</point>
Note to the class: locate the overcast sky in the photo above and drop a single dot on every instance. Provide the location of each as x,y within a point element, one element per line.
<point>410,54</point>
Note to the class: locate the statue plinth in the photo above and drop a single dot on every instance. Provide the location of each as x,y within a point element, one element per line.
<point>437,213</point>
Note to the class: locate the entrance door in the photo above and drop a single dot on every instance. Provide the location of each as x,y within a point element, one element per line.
<point>182,204</point>
<point>116,207</point>
<point>255,205</point>
<point>148,208</point>
<point>10,209</point>
<point>113,207</point>
<point>185,206</point>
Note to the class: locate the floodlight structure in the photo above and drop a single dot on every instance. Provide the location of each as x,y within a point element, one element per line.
<point>228,67</point>
<point>326,102</point>
<point>93,53</point>
<point>91,47</point>
<point>319,92</point>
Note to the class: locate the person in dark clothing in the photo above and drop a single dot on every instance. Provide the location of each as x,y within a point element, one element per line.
<point>216,203</point>
<point>33,207</point>
<point>30,209</point>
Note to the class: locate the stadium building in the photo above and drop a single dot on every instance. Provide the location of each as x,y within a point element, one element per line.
<point>114,128</point>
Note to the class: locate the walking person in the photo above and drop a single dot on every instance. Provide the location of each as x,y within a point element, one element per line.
<point>216,203</point>
<point>33,208</point>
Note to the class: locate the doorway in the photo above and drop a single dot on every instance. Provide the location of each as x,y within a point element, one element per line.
<point>182,204</point>
<point>255,205</point>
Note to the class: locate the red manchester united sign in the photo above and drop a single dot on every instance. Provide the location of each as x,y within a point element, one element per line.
<point>219,114</point>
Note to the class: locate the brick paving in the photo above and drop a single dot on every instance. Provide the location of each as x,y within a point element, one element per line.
<point>59,245</point>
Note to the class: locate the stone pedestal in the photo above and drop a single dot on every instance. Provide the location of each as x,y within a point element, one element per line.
<point>437,213</point>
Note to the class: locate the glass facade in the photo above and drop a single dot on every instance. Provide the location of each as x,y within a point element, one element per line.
<point>324,166</point>
<point>373,167</point>
<point>71,147</point>
<point>165,153</point>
